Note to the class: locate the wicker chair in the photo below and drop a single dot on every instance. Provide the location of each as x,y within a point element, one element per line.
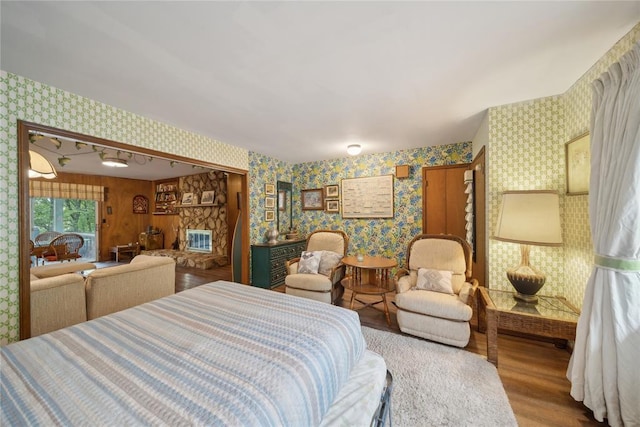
<point>435,292</point>
<point>43,239</point>
<point>324,286</point>
<point>65,247</point>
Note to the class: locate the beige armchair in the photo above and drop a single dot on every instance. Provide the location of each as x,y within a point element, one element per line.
<point>324,285</point>
<point>435,292</point>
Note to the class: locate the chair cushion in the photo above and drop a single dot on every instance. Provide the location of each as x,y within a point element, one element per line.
<point>434,304</point>
<point>310,282</point>
<point>440,254</point>
<point>326,241</point>
<point>309,262</point>
<point>434,280</point>
<point>328,261</point>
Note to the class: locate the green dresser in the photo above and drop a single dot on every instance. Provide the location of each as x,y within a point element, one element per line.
<point>268,268</point>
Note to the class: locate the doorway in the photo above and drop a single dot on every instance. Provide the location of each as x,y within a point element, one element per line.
<point>24,203</point>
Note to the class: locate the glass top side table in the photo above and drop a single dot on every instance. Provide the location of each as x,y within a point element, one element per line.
<point>552,317</point>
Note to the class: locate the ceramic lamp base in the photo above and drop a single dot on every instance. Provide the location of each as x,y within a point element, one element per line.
<point>527,282</point>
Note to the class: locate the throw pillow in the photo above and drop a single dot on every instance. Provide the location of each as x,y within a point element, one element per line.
<point>309,262</point>
<point>435,280</point>
<point>328,261</point>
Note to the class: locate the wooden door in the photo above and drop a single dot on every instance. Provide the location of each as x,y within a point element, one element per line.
<point>443,200</point>
<point>480,226</point>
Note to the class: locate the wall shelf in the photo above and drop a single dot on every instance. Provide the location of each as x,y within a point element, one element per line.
<point>197,205</point>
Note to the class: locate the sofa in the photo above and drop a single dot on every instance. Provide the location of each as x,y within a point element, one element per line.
<point>66,298</point>
<point>145,278</point>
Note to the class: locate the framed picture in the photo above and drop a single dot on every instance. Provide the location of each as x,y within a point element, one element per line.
<point>270,189</point>
<point>578,162</point>
<point>331,191</point>
<point>269,215</point>
<point>207,197</point>
<point>269,202</point>
<point>312,199</point>
<point>332,206</point>
<point>140,204</point>
<point>187,199</point>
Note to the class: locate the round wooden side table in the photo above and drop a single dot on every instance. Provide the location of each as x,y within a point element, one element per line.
<point>370,276</point>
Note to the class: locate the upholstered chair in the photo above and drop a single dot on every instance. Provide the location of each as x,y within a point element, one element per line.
<point>434,294</point>
<point>317,274</point>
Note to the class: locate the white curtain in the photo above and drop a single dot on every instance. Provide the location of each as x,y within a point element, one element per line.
<point>605,366</point>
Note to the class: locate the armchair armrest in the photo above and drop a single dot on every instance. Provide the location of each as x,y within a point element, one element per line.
<point>468,292</point>
<point>403,280</point>
<point>292,265</point>
<point>337,272</point>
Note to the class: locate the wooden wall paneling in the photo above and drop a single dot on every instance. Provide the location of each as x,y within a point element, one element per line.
<point>122,226</point>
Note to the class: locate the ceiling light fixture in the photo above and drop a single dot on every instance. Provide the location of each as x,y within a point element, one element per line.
<point>39,167</point>
<point>114,162</point>
<point>354,149</point>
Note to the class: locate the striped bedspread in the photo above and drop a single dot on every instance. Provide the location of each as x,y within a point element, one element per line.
<point>219,354</point>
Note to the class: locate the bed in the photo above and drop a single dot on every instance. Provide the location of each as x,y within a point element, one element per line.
<point>219,354</point>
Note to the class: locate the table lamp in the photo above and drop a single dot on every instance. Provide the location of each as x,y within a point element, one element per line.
<point>528,218</point>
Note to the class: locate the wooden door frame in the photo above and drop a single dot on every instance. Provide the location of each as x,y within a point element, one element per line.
<point>24,261</point>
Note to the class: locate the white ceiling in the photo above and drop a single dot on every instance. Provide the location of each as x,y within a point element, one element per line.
<point>300,80</point>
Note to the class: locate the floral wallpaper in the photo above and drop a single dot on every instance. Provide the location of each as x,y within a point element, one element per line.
<point>39,103</point>
<point>385,237</point>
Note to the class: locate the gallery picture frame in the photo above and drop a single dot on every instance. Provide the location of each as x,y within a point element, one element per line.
<point>270,189</point>
<point>269,215</point>
<point>208,197</point>
<point>578,165</point>
<point>187,199</point>
<point>332,191</point>
<point>332,206</point>
<point>312,199</point>
<point>270,202</point>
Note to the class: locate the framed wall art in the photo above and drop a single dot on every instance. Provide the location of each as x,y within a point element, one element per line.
<point>367,197</point>
<point>578,164</point>
<point>331,191</point>
<point>269,202</point>
<point>312,199</point>
<point>270,189</point>
<point>269,215</point>
<point>207,197</point>
<point>187,199</point>
<point>332,206</point>
<point>140,204</point>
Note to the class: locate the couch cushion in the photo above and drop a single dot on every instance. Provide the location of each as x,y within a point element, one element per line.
<point>310,282</point>
<point>113,289</point>
<point>434,304</point>
<point>62,268</point>
<point>57,302</point>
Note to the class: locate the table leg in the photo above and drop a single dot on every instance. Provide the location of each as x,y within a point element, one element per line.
<point>353,297</point>
<point>386,309</point>
<point>492,336</point>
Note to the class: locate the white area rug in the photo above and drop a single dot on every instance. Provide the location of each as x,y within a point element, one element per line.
<point>437,385</point>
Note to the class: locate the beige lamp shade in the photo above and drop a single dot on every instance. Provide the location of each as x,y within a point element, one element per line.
<point>530,218</point>
<point>39,167</point>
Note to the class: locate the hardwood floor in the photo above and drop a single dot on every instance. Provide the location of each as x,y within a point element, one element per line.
<point>533,372</point>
